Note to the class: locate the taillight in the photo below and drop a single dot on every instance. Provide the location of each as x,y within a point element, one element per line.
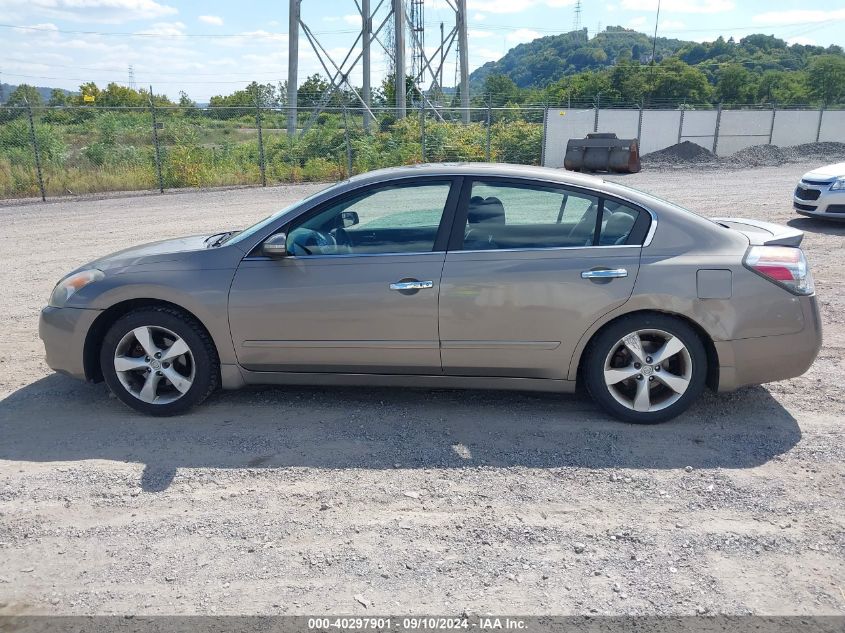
<point>783,265</point>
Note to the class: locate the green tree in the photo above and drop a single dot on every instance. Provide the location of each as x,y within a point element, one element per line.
<point>736,85</point>
<point>674,80</point>
<point>500,89</point>
<point>826,78</point>
<point>58,97</point>
<point>24,94</point>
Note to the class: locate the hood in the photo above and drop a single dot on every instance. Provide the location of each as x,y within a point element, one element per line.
<point>828,172</point>
<point>153,253</point>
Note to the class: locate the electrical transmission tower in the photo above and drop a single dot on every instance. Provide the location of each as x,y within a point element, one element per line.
<point>416,25</point>
<point>576,19</point>
<point>403,19</point>
<point>132,76</point>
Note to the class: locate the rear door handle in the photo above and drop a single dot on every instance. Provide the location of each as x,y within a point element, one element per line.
<point>411,285</point>
<point>611,273</point>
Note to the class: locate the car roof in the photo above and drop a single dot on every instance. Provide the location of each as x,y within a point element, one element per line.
<point>481,170</point>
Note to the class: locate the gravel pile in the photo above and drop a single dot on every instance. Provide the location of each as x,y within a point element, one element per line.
<point>682,155</point>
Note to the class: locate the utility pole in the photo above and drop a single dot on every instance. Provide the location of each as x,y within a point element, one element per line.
<point>367,30</point>
<point>461,20</point>
<point>293,63</point>
<point>399,57</point>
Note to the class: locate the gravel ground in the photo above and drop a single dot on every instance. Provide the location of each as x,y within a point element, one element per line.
<point>300,500</point>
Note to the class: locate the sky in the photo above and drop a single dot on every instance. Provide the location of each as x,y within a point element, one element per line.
<point>217,46</point>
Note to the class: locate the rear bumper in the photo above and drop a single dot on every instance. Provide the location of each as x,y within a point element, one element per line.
<point>753,361</point>
<point>63,331</point>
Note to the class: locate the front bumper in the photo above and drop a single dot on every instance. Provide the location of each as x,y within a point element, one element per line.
<point>829,205</point>
<point>64,331</point>
<point>754,361</point>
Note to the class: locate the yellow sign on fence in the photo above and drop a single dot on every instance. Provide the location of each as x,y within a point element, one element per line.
<point>87,98</point>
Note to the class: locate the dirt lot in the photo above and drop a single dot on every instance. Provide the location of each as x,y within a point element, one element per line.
<point>299,500</point>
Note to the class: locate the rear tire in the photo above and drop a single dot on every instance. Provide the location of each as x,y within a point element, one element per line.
<point>646,368</point>
<point>159,361</point>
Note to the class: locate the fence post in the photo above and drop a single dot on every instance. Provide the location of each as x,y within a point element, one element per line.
<point>422,130</point>
<point>819,126</point>
<point>543,136</point>
<point>596,116</point>
<point>681,124</point>
<point>34,140</point>
<point>155,141</point>
<point>718,123</point>
<point>772,124</point>
<point>489,122</point>
<point>346,138</point>
<point>261,164</point>
<point>640,126</point>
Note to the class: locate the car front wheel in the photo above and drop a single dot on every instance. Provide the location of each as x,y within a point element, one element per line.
<point>159,361</point>
<point>646,368</point>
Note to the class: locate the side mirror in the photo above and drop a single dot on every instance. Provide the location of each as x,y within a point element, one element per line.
<point>275,246</point>
<point>349,218</point>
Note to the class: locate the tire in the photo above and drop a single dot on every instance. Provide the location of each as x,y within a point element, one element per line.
<point>622,381</point>
<point>159,385</point>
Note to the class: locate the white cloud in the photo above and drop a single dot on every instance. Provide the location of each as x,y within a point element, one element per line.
<point>511,6</point>
<point>799,16</point>
<point>216,20</point>
<point>354,20</point>
<point>522,35</point>
<point>670,25</point>
<point>477,34</point>
<point>168,29</point>
<point>805,41</point>
<point>479,17</point>
<point>96,11</point>
<point>637,22</point>
<point>680,6</point>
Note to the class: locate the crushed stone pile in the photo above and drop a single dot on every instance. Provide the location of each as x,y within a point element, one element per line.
<point>687,154</point>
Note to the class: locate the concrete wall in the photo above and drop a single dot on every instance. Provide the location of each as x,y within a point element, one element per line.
<point>737,128</point>
<point>833,126</point>
<point>562,125</point>
<point>793,127</point>
<point>699,126</point>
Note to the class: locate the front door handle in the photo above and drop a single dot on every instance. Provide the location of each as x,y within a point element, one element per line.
<point>611,273</point>
<point>411,285</point>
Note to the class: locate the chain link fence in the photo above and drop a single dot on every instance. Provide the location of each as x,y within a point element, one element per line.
<point>74,150</point>
<point>66,151</point>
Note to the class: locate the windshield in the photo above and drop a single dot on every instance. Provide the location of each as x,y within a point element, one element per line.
<point>252,230</point>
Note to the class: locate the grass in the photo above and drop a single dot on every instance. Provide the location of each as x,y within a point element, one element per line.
<point>88,151</point>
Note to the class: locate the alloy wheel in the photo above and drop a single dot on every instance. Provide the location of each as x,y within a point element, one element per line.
<point>648,370</point>
<point>154,364</point>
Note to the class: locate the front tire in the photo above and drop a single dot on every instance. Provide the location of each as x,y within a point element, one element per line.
<point>646,368</point>
<point>159,361</point>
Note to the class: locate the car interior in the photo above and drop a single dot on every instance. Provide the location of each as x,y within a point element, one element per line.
<point>490,225</point>
<point>487,227</point>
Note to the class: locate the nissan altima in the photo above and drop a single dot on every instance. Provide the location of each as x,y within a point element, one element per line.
<point>454,276</point>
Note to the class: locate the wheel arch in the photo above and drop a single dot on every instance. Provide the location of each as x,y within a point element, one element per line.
<point>101,325</point>
<point>582,351</point>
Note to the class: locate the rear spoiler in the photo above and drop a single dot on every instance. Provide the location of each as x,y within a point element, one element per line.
<point>763,233</point>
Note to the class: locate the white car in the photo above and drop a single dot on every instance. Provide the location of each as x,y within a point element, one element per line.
<point>821,193</point>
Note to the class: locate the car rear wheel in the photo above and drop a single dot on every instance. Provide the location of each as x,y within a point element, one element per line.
<point>159,361</point>
<point>646,368</point>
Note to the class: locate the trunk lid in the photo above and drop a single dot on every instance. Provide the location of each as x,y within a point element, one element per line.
<point>761,233</point>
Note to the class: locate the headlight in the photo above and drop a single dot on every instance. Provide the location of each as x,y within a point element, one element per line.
<point>66,288</point>
<point>838,184</point>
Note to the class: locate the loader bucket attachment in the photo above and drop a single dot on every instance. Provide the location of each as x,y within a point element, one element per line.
<point>602,151</point>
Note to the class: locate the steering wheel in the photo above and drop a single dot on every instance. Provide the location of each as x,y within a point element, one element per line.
<point>310,238</point>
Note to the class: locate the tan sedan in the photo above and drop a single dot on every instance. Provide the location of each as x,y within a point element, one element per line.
<point>458,276</point>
